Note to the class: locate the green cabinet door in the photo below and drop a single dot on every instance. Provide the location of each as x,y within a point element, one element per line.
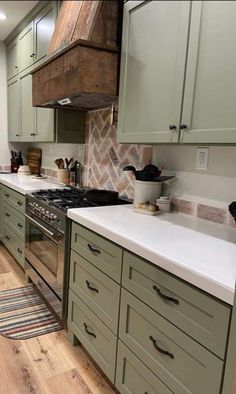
<point>12,59</point>
<point>27,112</point>
<point>44,125</point>
<point>210,89</point>
<point>154,48</point>
<point>44,25</point>
<point>13,110</point>
<point>26,47</point>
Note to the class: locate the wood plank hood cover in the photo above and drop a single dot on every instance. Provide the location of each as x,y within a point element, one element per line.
<point>82,65</point>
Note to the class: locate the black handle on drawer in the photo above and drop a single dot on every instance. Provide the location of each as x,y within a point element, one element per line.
<point>90,287</point>
<point>7,215</point>
<point>94,250</point>
<point>8,238</point>
<point>19,250</point>
<point>172,127</point>
<point>89,332</point>
<point>159,349</point>
<point>20,225</point>
<point>7,195</point>
<point>165,297</point>
<point>20,203</point>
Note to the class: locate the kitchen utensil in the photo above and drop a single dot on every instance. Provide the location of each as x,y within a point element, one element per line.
<point>57,162</point>
<point>63,176</point>
<point>61,163</point>
<point>102,197</point>
<point>146,191</point>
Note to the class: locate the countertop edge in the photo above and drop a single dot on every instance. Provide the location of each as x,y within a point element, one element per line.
<point>196,278</point>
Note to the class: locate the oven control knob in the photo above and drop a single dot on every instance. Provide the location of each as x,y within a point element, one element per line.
<point>47,216</point>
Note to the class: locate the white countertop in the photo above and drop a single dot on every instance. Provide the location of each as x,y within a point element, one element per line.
<point>199,251</point>
<point>25,184</point>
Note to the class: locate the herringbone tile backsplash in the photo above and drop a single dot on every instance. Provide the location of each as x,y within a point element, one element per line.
<point>105,159</point>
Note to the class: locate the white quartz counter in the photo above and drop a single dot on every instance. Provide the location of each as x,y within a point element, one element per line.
<point>199,251</point>
<point>25,184</point>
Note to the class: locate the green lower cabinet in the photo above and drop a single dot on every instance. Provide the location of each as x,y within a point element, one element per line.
<point>97,290</point>
<point>133,377</point>
<point>180,362</point>
<point>14,220</point>
<point>97,339</point>
<point>103,254</point>
<point>198,314</point>
<point>14,244</point>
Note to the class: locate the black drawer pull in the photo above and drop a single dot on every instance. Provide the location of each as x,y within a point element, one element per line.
<point>32,134</point>
<point>20,225</point>
<point>159,349</point>
<point>94,250</point>
<point>8,238</point>
<point>7,195</point>
<point>90,287</point>
<point>89,332</point>
<point>183,127</point>
<point>165,297</point>
<point>7,215</point>
<point>172,127</point>
<point>20,203</point>
<point>19,250</point>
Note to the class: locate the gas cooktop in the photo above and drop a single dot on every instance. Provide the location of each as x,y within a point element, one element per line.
<point>63,199</point>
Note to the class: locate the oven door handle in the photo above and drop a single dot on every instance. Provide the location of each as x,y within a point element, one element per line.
<point>42,228</point>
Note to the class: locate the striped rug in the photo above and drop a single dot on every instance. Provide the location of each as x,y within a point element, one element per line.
<point>24,315</point>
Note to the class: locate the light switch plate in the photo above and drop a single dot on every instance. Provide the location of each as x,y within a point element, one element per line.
<point>202,158</point>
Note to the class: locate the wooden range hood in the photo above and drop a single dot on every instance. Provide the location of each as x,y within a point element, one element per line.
<point>82,65</point>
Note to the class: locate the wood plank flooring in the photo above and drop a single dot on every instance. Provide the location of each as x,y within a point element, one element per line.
<point>48,364</point>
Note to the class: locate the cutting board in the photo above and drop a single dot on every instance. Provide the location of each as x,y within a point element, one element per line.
<point>34,160</point>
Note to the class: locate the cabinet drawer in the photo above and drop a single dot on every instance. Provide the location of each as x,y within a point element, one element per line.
<point>132,377</point>
<point>16,200</point>
<point>97,290</point>
<point>100,252</point>
<point>15,245</point>
<point>180,362</point>
<point>198,314</point>
<point>14,220</point>
<point>99,341</point>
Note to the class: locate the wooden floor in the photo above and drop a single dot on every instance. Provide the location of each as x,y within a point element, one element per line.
<point>46,364</point>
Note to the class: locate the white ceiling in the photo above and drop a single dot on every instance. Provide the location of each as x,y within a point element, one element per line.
<point>15,12</point>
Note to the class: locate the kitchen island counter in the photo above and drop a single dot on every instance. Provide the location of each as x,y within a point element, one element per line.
<point>200,252</point>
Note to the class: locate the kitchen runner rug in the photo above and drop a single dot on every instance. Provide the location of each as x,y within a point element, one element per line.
<point>24,315</point>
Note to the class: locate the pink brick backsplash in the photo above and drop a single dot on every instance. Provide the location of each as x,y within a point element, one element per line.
<point>217,215</point>
<point>203,211</point>
<point>183,206</point>
<point>104,158</point>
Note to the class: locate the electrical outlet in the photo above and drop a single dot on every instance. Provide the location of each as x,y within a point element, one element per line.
<point>202,158</point>
<point>80,152</point>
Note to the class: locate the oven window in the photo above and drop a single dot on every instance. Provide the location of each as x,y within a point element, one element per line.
<point>44,249</point>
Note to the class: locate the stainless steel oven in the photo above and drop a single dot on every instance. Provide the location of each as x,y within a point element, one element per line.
<point>45,260</point>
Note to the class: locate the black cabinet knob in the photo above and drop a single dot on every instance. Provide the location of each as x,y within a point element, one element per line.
<point>183,126</point>
<point>32,134</point>
<point>172,127</point>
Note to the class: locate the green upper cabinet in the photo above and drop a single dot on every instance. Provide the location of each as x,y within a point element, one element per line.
<point>178,67</point>
<point>26,47</point>
<point>44,25</point>
<point>154,48</point>
<point>44,124</point>
<point>13,110</point>
<point>12,59</point>
<point>27,112</point>
<point>210,88</point>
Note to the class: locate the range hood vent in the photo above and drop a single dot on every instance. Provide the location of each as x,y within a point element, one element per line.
<point>82,66</point>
